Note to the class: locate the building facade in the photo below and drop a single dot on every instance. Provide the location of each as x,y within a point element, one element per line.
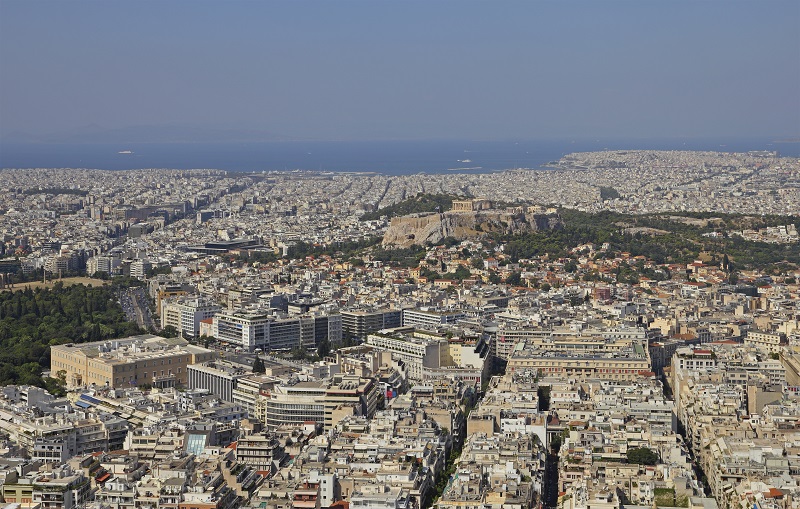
<point>185,314</point>
<point>137,360</point>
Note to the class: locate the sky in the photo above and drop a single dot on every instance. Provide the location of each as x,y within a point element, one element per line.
<point>361,70</point>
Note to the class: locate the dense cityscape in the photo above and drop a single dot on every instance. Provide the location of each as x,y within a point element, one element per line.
<point>617,331</point>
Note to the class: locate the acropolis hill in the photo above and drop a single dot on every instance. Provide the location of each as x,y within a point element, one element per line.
<point>468,219</point>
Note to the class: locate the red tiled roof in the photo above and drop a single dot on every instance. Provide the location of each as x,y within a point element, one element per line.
<point>773,493</point>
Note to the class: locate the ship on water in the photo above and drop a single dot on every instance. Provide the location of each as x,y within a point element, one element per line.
<point>125,152</point>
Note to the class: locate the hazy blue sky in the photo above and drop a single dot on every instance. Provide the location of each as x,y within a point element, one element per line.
<point>432,69</point>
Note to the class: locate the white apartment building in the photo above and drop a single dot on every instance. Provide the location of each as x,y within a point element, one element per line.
<point>257,331</point>
<point>248,390</point>
<point>185,312</point>
<point>106,264</point>
<point>139,268</point>
<point>266,331</point>
<point>427,318</point>
<point>416,353</point>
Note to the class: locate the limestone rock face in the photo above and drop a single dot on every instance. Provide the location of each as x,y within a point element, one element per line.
<point>433,227</point>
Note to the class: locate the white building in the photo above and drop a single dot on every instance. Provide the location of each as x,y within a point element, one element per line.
<point>107,264</point>
<point>257,330</point>
<point>266,331</point>
<point>185,313</point>
<point>427,318</point>
<point>417,353</point>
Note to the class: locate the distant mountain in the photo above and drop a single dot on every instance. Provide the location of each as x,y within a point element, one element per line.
<point>147,134</point>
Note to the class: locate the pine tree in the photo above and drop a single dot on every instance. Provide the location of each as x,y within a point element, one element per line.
<point>324,348</point>
<point>258,365</point>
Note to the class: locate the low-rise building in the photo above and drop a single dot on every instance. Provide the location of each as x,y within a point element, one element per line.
<point>137,360</point>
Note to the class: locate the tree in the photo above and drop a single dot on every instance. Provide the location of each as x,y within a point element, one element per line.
<point>642,456</point>
<point>205,340</point>
<point>514,279</point>
<point>169,331</point>
<point>324,348</point>
<point>258,365</point>
<point>35,320</point>
<point>544,398</point>
<point>608,193</point>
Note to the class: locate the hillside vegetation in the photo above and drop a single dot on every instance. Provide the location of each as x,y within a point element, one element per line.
<point>415,205</point>
<point>677,242</point>
<point>33,320</point>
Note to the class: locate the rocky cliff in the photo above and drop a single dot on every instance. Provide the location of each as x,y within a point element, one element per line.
<point>433,227</point>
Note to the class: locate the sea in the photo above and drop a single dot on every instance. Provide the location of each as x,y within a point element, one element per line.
<point>385,157</point>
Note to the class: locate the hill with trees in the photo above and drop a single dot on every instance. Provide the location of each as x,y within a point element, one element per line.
<point>681,238</point>
<point>415,205</point>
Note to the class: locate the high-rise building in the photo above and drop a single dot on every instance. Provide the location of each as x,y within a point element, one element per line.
<point>357,324</point>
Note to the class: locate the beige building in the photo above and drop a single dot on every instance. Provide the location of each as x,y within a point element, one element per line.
<point>471,205</point>
<point>361,395</point>
<point>127,362</point>
<point>581,357</point>
<point>771,341</point>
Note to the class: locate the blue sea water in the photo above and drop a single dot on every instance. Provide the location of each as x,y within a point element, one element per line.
<point>387,157</point>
